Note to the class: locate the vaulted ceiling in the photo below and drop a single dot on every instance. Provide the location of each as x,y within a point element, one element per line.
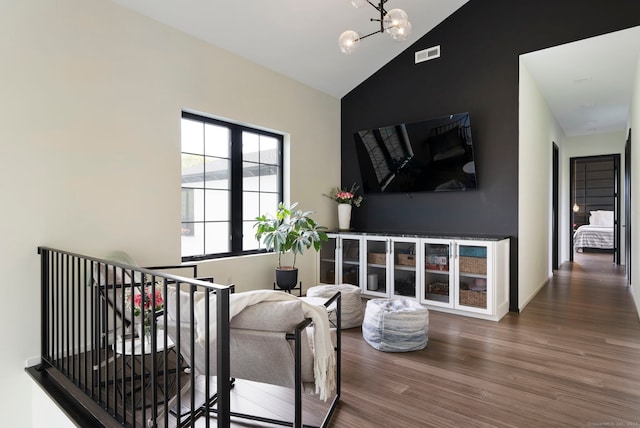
<point>587,84</point>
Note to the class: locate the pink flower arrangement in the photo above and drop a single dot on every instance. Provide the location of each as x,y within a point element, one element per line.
<point>144,303</point>
<point>346,196</point>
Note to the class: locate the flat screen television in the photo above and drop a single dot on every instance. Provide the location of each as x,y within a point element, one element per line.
<point>434,155</point>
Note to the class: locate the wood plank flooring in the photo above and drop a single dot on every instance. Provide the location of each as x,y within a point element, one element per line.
<point>571,358</point>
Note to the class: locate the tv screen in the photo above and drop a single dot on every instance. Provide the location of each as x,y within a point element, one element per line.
<point>434,155</point>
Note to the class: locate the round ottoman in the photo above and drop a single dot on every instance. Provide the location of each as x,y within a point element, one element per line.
<point>396,325</point>
<point>351,305</point>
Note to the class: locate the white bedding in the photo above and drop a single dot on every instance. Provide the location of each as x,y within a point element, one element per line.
<point>589,236</point>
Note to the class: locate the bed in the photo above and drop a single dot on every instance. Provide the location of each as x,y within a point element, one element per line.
<point>598,234</point>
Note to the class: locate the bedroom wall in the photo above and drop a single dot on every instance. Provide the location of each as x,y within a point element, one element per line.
<point>90,150</point>
<point>587,145</point>
<point>477,72</point>
<point>538,129</point>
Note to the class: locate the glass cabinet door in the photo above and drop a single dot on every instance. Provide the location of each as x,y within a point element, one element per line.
<point>472,276</point>
<point>437,276</point>
<point>404,269</point>
<point>376,278</point>
<point>350,261</point>
<point>328,261</point>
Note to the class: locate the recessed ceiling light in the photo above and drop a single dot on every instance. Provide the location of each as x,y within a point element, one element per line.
<point>582,80</point>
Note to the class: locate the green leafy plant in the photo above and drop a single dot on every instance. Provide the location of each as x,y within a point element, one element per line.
<point>290,230</point>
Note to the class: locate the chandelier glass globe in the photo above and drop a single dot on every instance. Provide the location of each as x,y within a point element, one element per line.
<point>397,25</point>
<point>348,41</point>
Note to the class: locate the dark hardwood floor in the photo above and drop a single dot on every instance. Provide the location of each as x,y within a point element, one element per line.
<point>571,358</point>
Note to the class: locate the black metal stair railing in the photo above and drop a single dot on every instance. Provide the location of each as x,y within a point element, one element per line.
<point>93,333</point>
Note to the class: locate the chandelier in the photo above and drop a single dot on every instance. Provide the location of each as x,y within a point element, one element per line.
<point>395,23</point>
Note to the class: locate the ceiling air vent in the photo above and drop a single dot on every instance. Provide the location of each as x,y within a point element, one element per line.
<point>428,54</point>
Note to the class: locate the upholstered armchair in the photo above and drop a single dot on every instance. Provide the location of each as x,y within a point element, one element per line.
<point>275,338</point>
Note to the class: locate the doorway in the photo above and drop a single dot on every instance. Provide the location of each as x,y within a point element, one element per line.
<point>627,206</point>
<point>595,205</point>
<point>555,205</point>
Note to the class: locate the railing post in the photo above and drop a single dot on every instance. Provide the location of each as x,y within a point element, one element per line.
<point>44,302</point>
<point>223,355</point>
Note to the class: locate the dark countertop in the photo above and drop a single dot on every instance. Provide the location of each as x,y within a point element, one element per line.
<point>430,235</point>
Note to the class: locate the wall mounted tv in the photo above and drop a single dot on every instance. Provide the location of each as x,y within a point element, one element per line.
<point>434,155</point>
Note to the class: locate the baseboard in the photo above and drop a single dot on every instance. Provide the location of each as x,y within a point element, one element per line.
<point>535,292</point>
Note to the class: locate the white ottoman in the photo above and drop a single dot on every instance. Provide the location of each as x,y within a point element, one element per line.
<point>396,325</point>
<point>352,313</point>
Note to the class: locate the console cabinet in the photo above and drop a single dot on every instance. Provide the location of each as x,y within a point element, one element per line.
<point>463,276</point>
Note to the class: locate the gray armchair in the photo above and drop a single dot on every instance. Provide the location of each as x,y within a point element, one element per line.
<point>271,342</point>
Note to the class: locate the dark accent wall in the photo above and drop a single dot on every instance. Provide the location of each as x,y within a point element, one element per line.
<point>477,72</point>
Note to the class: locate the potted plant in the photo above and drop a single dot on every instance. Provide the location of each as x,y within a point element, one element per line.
<point>290,230</point>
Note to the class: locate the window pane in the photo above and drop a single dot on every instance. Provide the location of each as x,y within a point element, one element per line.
<point>217,238</point>
<point>269,202</point>
<point>217,141</point>
<point>250,205</point>
<point>269,178</point>
<point>217,203</point>
<point>192,170</point>
<point>193,245</point>
<point>269,150</point>
<point>192,136</point>
<point>250,176</point>
<point>198,205</point>
<point>187,208</point>
<point>218,173</point>
<point>250,147</point>
<point>249,241</point>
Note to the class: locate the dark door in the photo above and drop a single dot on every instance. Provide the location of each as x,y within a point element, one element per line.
<point>627,206</point>
<point>555,203</point>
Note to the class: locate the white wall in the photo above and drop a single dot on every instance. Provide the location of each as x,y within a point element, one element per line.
<point>45,413</point>
<point>537,131</point>
<point>90,102</point>
<point>634,123</point>
<point>586,145</point>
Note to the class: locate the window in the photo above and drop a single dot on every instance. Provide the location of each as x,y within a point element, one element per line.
<point>231,174</point>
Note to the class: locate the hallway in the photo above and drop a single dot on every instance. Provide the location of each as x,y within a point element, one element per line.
<point>570,359</point>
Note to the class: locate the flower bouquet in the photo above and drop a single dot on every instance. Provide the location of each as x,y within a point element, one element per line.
<point>145,304</point>
<point>343,196</point>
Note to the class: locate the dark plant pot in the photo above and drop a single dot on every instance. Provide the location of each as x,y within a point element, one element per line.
<point>287,278</point>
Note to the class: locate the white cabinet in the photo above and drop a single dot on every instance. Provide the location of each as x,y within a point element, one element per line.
<point>391,267</point>
<point>463,276</point>
<point>340,260</point>
<point>466,276</point>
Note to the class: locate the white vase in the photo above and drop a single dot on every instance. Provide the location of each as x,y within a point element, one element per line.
<point>344,216</point>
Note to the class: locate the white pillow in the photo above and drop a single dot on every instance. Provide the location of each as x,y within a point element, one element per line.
<point>606,218</point>
<point>601,218</point>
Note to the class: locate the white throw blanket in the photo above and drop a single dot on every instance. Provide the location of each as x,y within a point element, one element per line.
<point>324,358</point>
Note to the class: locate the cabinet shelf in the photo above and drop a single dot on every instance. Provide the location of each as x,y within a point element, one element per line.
<point>376,265</point>
<point>405,268</point>
<point>441,272</point>
<point>472,275</point>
